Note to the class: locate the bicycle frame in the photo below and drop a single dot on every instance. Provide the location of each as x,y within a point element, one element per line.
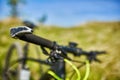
<point>58,54</point>
<point>58,67</point>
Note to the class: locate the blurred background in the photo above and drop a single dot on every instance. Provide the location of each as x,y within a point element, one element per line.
<point>93,24</point>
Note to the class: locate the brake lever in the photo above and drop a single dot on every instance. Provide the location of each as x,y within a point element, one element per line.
<point>97,60</point>
<point>92,56</point>
<point>91,59</point>
<point>100,52</point>
<point>44,50</point>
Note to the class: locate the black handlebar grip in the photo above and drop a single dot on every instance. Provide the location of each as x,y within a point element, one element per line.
<point>36,40</point>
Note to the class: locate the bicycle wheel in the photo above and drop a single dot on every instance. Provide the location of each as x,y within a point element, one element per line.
<point>12,67</point>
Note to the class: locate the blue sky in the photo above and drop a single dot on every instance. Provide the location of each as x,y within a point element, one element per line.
<point>66,12</point>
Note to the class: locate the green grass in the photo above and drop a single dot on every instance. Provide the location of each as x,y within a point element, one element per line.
<point>91,36</point>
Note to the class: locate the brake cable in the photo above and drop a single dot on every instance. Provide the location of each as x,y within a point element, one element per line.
<point>54,75</point>
<point>75,68</point>
<point>87,70</point>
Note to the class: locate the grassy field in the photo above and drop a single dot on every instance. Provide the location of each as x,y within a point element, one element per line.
<point>90,36</point>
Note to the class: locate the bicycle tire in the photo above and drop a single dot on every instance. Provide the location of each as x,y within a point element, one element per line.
<point>7,73</point>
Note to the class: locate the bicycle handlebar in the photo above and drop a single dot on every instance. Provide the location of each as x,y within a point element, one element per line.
<point>51,45</point>
<point>25,34</point>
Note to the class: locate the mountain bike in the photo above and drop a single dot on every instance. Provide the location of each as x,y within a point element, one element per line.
<point>57,57</point>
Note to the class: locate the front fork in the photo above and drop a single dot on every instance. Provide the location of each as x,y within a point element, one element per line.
<point>59,69</point>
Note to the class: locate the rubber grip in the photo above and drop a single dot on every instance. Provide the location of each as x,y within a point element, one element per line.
<point>36,40</point>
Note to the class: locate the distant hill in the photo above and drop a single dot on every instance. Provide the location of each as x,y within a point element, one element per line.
<point>10,21</point>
